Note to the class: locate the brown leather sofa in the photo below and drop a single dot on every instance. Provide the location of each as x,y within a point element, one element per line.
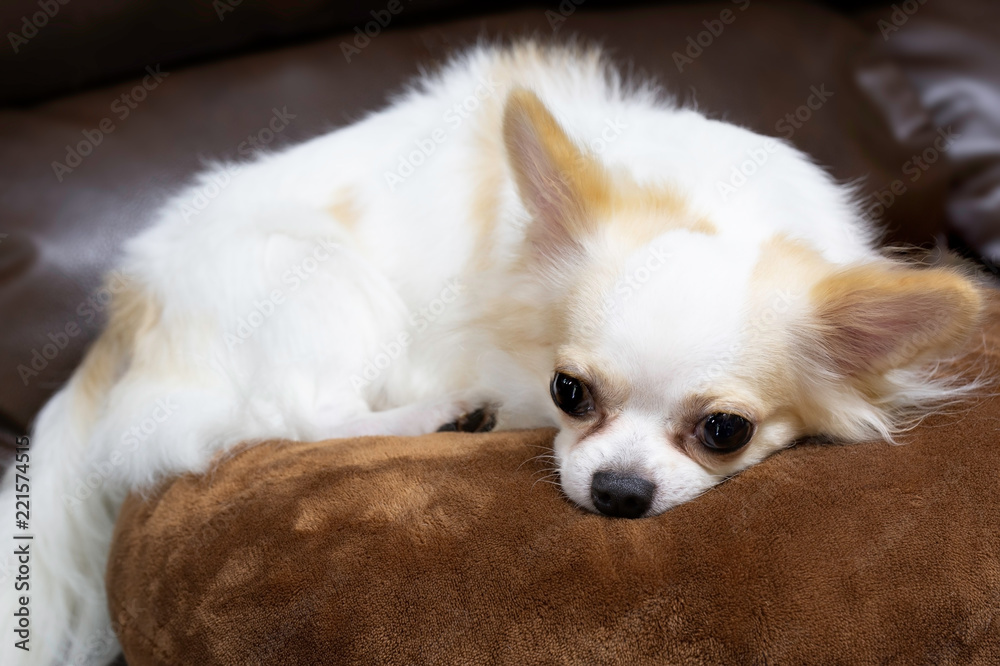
<point>110,106</point>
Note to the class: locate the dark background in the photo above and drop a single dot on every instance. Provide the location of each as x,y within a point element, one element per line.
<point>94,43</point>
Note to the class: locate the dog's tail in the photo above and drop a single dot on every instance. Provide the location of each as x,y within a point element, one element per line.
<point>57,522</point>
<point>58,502</point>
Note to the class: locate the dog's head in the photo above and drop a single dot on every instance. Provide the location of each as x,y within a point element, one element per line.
<point>686,354</point>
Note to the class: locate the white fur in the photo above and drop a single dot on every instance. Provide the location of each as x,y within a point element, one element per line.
<point>292,378</point>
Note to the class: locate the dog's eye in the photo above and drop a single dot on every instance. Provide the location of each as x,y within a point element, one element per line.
<point>571,395</point>
<point>725,433</point>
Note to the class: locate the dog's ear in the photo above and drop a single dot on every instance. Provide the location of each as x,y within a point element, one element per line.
<point>559,184</point>
<point>871,319</point>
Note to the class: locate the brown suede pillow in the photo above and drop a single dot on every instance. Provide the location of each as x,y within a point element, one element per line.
<point>456,549</point>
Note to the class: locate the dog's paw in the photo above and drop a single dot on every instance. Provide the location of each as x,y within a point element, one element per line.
<point>483,419</point>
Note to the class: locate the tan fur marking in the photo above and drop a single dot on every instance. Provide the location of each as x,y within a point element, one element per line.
<point>345,208</point>
<point>589,198</point>
<point>877,317</point>
<point>781,259</point>
<point>486,197</point>
<point>857,322</point>
<point>550,168</point>
<point>132,314</point>
<point>780,282</point>
<point>642,214</point>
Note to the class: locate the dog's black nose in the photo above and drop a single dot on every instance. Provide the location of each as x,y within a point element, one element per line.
<point>621,494</point>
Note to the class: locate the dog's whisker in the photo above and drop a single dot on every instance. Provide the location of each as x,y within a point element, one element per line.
<point>541,457</point>
<point>545,480</point>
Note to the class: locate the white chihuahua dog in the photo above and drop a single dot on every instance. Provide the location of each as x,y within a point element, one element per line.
<point>523,233</point>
